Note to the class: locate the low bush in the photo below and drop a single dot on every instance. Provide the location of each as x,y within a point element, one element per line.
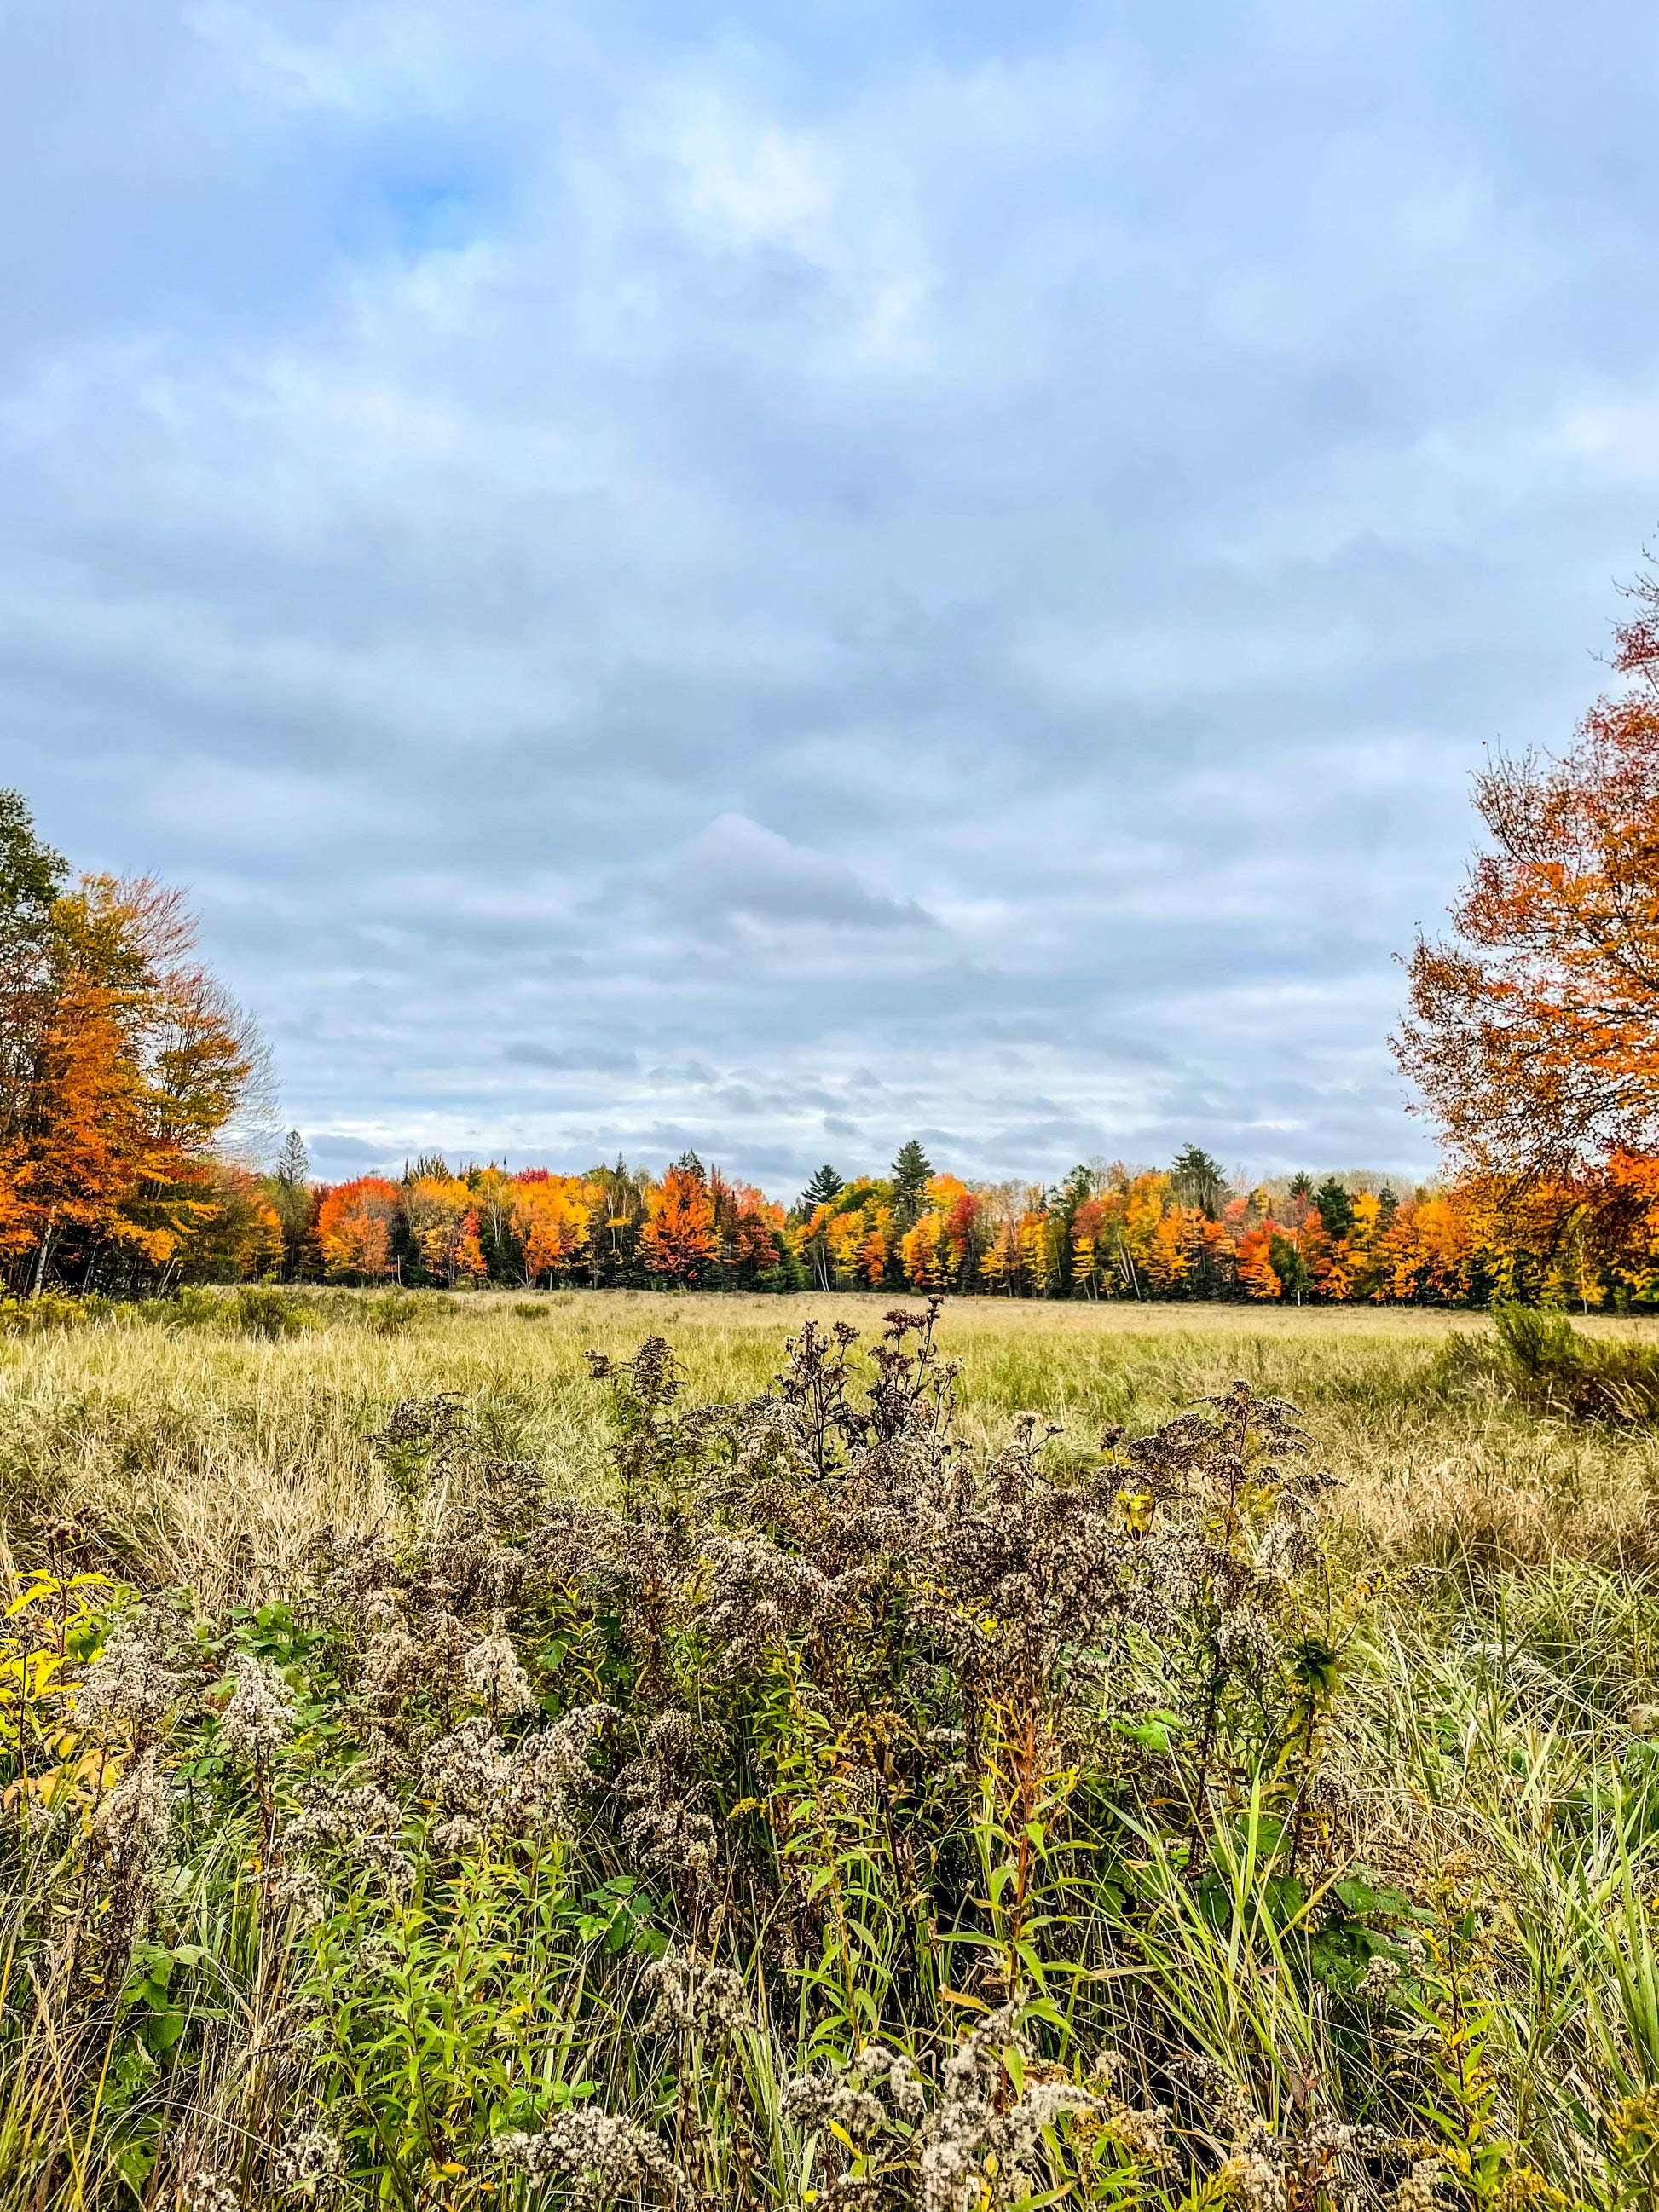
<point>1540,1360</point>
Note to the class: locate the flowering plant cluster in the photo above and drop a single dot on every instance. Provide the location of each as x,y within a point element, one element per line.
<point>839,1812</point>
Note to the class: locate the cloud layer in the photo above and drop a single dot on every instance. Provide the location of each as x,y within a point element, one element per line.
<point>779,580</point>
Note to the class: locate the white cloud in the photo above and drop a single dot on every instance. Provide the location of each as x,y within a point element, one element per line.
<point>775,586</point>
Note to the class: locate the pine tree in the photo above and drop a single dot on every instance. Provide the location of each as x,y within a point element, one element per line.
<point>293,1161</point>
<point>825,1185</point>
<point>1334,1208</point>
<point>1198,1180</point>
<point>912,1172</point>
<point>289,1192</point>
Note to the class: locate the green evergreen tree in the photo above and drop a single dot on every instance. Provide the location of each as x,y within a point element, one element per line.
<point>1334,1207</point>
<point>289,1187</point>
<point>912,1172</point>
<point>1291,1267</point>
<point>825,1185</point>
<point>1198,1180</point>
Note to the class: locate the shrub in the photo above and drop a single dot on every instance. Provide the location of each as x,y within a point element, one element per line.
<point>1538,1359</point>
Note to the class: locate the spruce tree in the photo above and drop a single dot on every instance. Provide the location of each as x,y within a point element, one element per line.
<point>912,1172</point>
<point>1334,1207</point>
<point>1198,1180</point>
<point>825,1185</point>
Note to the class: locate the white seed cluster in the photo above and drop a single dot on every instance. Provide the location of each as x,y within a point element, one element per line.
<point>598,2157</point>
<point>858,2096</point>
<point>662,1825</point>
<point>261,1713</point>
<point>1420,2189</point>
<point>207,2190</point>
<point>362,1823</point>
<point>689,1998</point>
<point>308,2164</point>
<point>132,1824</point>
<point>483,1788</point>
<point>974,2155</point>
<point>129,1685</point>
<point>491,1671</point>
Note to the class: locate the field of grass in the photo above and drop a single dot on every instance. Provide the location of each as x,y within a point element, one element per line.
<point>216,1453</point>
<point>431,1776</point>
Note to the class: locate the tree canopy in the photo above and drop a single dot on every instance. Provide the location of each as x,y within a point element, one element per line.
<point>1533,1034</point>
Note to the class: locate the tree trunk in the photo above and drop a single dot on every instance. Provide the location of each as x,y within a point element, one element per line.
<point>41,1256</point>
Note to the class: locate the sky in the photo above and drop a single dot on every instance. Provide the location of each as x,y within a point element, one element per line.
<point>776,578</point>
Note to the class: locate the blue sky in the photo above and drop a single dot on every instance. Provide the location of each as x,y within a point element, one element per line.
<point>779,579</point>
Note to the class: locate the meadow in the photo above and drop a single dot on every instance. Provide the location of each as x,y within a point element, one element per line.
<point>216,1451</point>
<point>1009,1762</point>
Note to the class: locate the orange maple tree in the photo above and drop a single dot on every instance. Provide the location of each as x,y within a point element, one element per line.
<point>121,1064</point>
<point>1533,1035</point>
<point>680,1239</point>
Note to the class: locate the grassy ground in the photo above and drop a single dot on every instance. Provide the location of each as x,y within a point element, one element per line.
<point>216,1455</point>
<point>889,1821</point>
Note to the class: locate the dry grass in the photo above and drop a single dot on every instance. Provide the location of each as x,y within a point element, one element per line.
<point>214,1455</point>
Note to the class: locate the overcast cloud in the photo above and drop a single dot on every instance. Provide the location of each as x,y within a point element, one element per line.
<point>780,578</point>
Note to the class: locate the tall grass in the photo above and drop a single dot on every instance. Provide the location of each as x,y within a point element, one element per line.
<point>215,1452</point>
<point>692,1787</point>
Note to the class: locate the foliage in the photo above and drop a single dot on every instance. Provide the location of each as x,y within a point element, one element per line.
<point>1534,1036</point>
<point>121,1063</point>
<point>1552,1368</point>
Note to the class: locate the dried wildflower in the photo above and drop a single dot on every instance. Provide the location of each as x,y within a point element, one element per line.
<point>1279,1550</point>
<point>261,1713</point>
<point>482,1787</point>
<point>207,2190</point>
<point>491,1671</point>
<point>299,1888</point>
<point>308,2163</point>
<point>466,1773</point>
<point>689,1998</point>
<point>130,1685</point>
<point>597,2155</point>
<point>662,1825</point>
<point>1233,2114</point>
<point>858,2095</point>
<point>363,1823</point>
<point>392,1665</point>
<point>1381,1974</point>
<point>1255,2172</point>
<point>972,2154</point>
<point>1420,2189</point>
<point>132,1823</point>
<point>1244,1637</point>
<point>1144,2134</point>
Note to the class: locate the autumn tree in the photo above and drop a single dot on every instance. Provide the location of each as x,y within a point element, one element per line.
<point>1533,1034</point>
<point>123,1064</point>
<point>680,1239</point>
<point>357,1224</point>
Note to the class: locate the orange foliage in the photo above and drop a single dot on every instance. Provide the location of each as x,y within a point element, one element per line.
<point>550,1218</point>
<point>1534,1036</point>
<point>355,1226</point>
<point>680,1239</point>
